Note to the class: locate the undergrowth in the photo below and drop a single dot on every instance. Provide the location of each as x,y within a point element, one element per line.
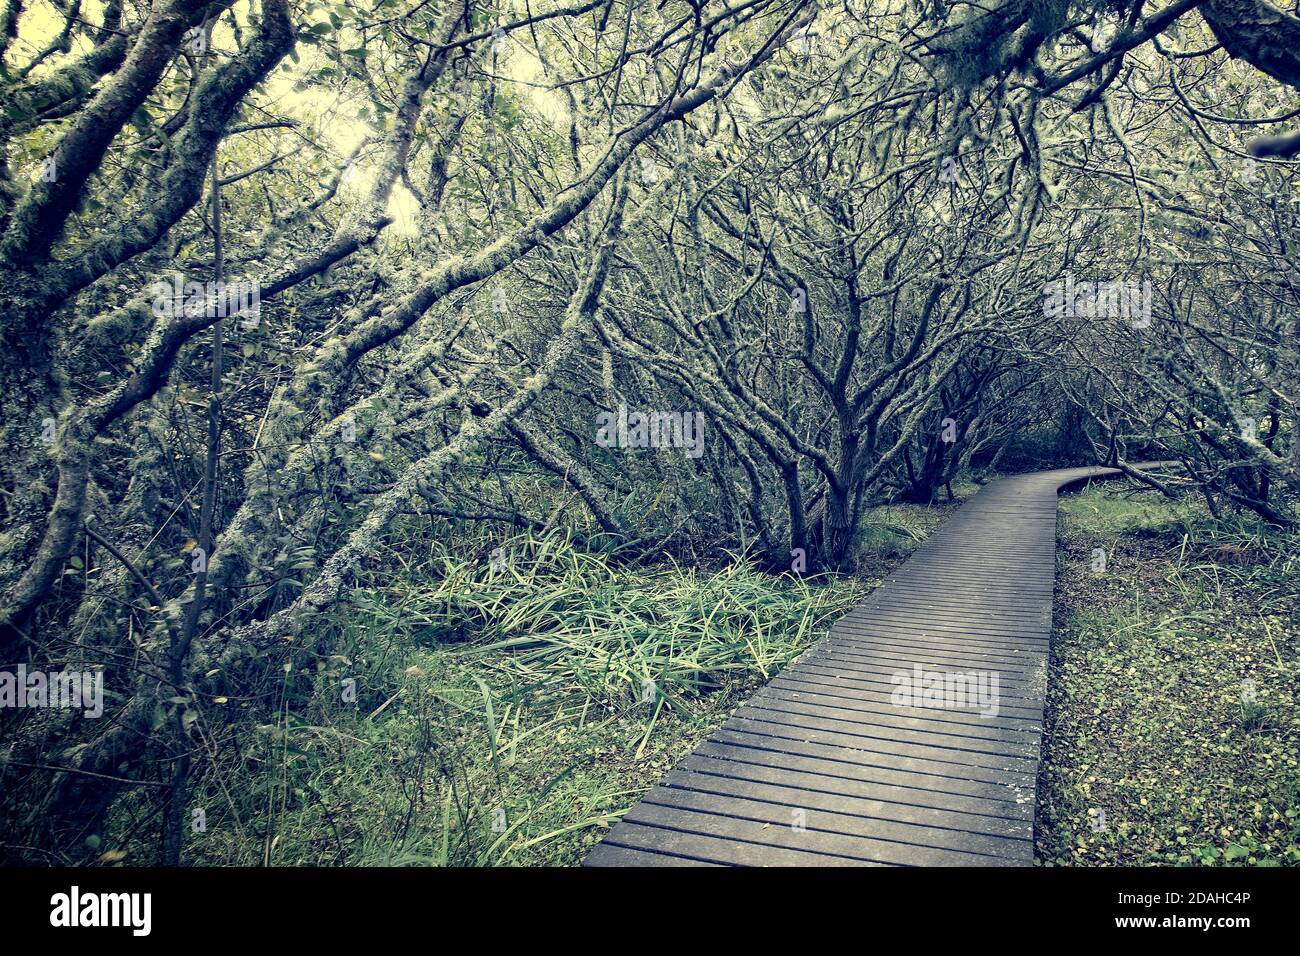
<point>500,706</point>
<point>1173,732</point>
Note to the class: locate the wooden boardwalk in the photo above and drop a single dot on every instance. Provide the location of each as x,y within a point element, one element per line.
<point>832,764</point>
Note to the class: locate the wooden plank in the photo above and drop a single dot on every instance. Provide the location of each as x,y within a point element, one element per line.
<point>848,644</point>
<point>904,718</point>
<point>956,746</point>
<point>767,839</point>
<point>887,769</point>
<point>885,801</point>
<point>987,630</point>
<point>887,841</point>
<point>875,698</point>
<point>1026,684</point>
<point>784,725</point>
<point>941,642</point>
<point>724,850</point>
<point>970,720</point>
<point>610,854</point>
<point>893,663</point>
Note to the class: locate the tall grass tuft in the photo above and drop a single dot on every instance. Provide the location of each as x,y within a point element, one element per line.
<point>549,617</point>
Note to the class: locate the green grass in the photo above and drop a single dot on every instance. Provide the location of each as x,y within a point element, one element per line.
<point>1173,729</point>
<point>503,716</point>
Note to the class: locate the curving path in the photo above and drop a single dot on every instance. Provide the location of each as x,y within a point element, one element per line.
<point>835,762</point>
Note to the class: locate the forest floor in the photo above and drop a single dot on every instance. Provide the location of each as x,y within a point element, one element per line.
<point>506,715</point>
<point>1172,733</point>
